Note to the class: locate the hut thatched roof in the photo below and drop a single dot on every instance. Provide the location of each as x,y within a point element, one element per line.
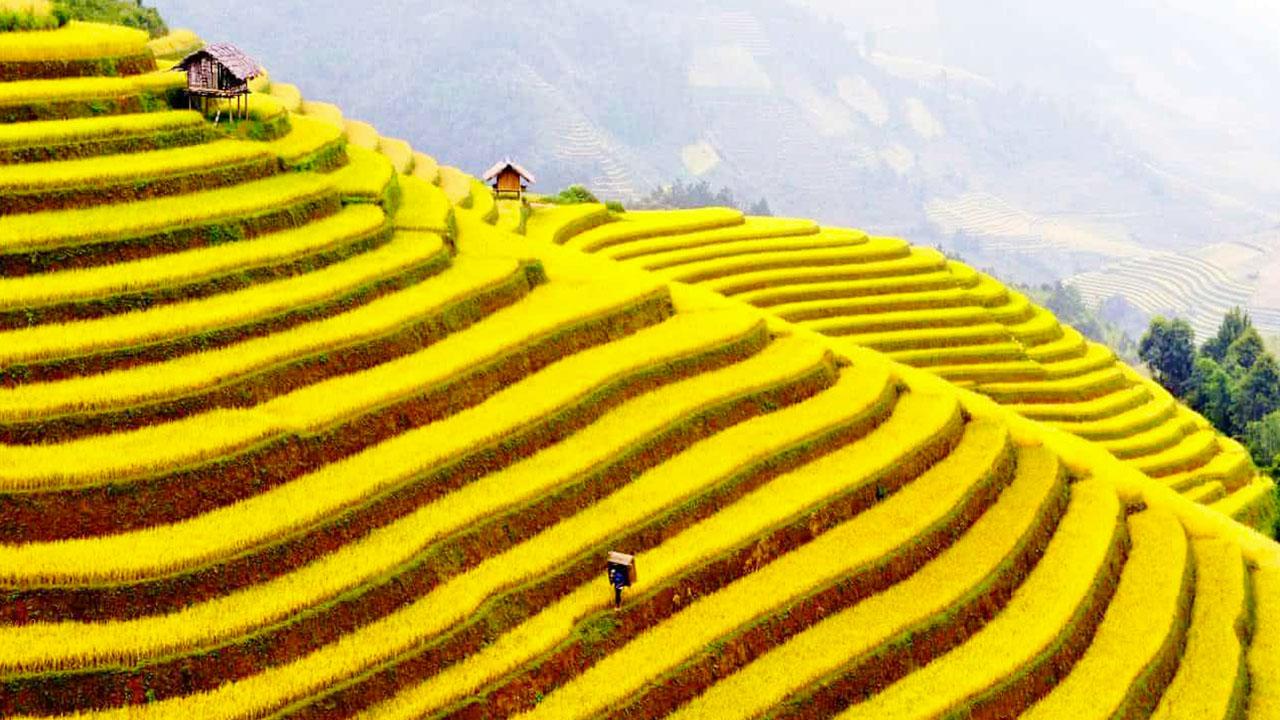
<point>500,167</point>
<point>230,57</point>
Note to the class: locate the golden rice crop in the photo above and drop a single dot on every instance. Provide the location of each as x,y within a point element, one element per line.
<point>988,372</point>
<point>192,265</point>
<point>928,299</point>
<point>919,339</point>
<point>74,41</point>
<point>153,163</point>
<point>306,136</point>
<point>205,314</point>
<point>512,216</point>
<point>1264,646</point>
<point>1122,424</point>
<point>1139,631</point>
<point>916,418</point>
<point>640,225</point>
<point>1209,492</point>
<point>483,202</point>
<point>872,251</point>
<point>1095,357</point>
<point>1042,328</point>
<point>366,176</point>
<point>649,493</point>
<point>1097,409</point>
<point>399,152</point>
<point>901,320</point>
<point>556,224</point>
<point>957,356</point>
<point>751,249</point>
<point>1098,383</point>
<point>49,645</point>
<point>65,228</point>
<point>424,206</point>
<point>812,295</point>
<point>52,132</point>
<point>1192,452</point>
<point>222,431</point>
<point>288,95</point>
<point>1042,608</point>
<point>176,44</point>
<point>752,229</point>
<point>456,185</point>
<point>918,262</point>
<point>1211,678</point>
<point>685,476</point>
<point>1154,440</point>
<point>261,107</point>
<point>200,371</point>
<point>85,88</point>
<point>960,573</point>
<point>426,168</point>
<point>299,503</point>
<point>812,247</point>
<point>327,112</point>
<point>1251,503</point>
<point>1016,312</point>
<point>1071,345</point>
<point>362,134</point>
<point>855,546</point>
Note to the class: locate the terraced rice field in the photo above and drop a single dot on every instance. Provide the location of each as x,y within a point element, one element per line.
<point>1002,228</point>
<point>921,309</point>
<point>1168,284</point>
<point>340,441</point>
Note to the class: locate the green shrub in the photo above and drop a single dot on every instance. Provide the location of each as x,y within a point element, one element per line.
<point>615,206</point>
<point>118,12</point>
<point>573,195</point>
<point>11,21</point>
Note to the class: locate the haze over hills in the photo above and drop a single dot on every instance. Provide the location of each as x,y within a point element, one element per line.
<point>1040,143</point>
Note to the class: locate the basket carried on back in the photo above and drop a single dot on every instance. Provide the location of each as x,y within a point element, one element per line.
<point>625,562</point>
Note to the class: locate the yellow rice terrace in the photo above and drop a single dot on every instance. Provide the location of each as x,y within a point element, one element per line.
<point>297,422</point>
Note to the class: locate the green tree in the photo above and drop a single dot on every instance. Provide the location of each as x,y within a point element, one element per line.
<point>1212,393</point>
<point>1262,437</point>
<point>1244,351</point>
<point>1168,350</point>
<point>1234,324</point>
<point>1259,394</point>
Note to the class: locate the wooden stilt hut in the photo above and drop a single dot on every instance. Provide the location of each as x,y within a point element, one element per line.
<point>219,72</point>
<point>509,179</point>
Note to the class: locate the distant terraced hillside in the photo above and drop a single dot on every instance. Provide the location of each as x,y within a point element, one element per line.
<point>1172,285</point>
<point>311,426</point>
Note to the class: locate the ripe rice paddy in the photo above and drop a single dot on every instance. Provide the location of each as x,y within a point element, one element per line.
<point>352,439</point>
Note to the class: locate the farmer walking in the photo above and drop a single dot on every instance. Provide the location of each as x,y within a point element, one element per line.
<point>621,571</point>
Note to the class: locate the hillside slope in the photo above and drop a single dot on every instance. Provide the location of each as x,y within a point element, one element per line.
<point>923,310</point>
<point>312,431</point>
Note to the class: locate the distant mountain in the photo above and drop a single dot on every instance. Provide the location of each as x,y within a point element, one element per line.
<point>1043,142</point>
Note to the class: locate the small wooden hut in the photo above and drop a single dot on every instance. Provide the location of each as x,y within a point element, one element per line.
<point>219,72</point>
<point>509,179</point>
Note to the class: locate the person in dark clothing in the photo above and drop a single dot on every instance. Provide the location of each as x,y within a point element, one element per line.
<point>617,578</point>
<point>621,572</point>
